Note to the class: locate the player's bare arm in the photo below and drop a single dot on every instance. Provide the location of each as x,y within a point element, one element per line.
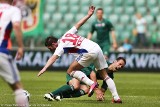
<point>89,35</point>
<point>18,34</point>
<point>84,19</point>
<point>114,39</point>
<point>49,62</point>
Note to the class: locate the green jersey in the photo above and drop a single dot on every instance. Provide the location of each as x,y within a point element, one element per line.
<point>102,29</point>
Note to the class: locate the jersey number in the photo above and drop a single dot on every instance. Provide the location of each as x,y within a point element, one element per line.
<point>71,38</point>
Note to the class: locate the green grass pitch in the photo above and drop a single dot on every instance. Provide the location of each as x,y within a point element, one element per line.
<point>135,90</point>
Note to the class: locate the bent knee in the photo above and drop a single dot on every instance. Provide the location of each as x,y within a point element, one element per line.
<point>76,87</point>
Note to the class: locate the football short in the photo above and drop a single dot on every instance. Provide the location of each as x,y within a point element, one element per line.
<point>94,56</point>
<point>8,69</point>
<point>105,48</point>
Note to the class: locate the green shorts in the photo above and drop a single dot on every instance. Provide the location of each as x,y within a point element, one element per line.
<point>105,48</point>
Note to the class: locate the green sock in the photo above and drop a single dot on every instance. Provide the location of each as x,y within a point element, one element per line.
<point>75,93</point>
<point>63,89</point>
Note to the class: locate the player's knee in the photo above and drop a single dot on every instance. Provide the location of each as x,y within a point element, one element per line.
<point>16,86</point>
<point>86,90</point>
<point>76,86</point>
<point>70,72</point>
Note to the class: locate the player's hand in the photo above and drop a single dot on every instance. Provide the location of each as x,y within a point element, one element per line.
<point>112,67</point>
<point>19,54</point>
<point>41,72</point>
<point>91,10</point>
<point>99,94</point>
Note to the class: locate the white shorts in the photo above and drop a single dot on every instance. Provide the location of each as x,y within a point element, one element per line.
<point>8,69</point>
<point>95,56</point>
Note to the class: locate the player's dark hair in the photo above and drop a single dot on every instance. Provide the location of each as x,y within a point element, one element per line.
<point>49,40</point>
<point>121,58</point>
<point>99,9</point>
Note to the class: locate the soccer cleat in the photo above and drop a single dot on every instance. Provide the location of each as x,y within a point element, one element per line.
<point>49,97</point>
<point>57,98</point>
<point>91,90</point>
<point>117,101</point>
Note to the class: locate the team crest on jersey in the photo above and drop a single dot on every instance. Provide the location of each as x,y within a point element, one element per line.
<point>30,10</point>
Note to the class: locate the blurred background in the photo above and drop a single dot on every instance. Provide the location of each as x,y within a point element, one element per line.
<point>42,18</point>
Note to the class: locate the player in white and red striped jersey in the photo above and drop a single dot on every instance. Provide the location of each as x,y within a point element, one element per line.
<point>10,18</point>
<point>88,52</point>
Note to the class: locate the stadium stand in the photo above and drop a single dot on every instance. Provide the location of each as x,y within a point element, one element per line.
<point>60,15</point>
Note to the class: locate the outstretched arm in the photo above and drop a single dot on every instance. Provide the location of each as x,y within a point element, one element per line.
<point>85,18</point>
<point>49,62</point>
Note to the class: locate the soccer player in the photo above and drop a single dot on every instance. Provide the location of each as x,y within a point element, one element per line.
<point>10,17</point>
<point>77,89</point>
<point>103,28</point>
<point>87,52</point>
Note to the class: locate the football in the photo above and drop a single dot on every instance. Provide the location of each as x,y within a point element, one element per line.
<point>27,94</point>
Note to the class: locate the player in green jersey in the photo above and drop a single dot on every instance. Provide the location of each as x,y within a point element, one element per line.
<point>103,28</point>
<point>76,89</point>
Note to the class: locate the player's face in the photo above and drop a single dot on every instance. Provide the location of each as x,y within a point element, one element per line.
<point>99,14</point>
<point>116,65</point>
<point>119,64</point>
<point>53,47</point>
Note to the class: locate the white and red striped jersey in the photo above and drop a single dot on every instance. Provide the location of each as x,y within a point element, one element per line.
<point>70,42</point>
<point>8,15</point>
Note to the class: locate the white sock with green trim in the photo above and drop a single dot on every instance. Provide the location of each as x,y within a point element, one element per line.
<point>112,88</point>
<point>21,99</point>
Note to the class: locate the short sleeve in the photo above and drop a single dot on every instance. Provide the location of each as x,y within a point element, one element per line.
<point>92,28</point>
<point>109,25</point>
<point>59,50</point>
<point>16,15</point>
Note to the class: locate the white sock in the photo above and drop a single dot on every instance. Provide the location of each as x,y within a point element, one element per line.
<point>21,99</point>
<point>82,77</point>
<point>112,88</point>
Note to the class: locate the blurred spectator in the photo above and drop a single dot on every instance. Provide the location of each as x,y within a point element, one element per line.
<point>140,31</point>
<point>126,47</point>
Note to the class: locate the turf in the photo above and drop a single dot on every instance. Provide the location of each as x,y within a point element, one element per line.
<point>135,90</point>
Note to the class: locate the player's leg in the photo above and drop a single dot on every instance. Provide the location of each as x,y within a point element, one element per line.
<point>82,61</point>
<point>111,85</point>
<point>21,96</point>
<point>10,74</point>
<point>104,86</point>
<point>82,91</point>
<point>77,65</point>
<point>76,93</point>
<point>59,93</point>
<point>64,91</point>
<point>101,65</point>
